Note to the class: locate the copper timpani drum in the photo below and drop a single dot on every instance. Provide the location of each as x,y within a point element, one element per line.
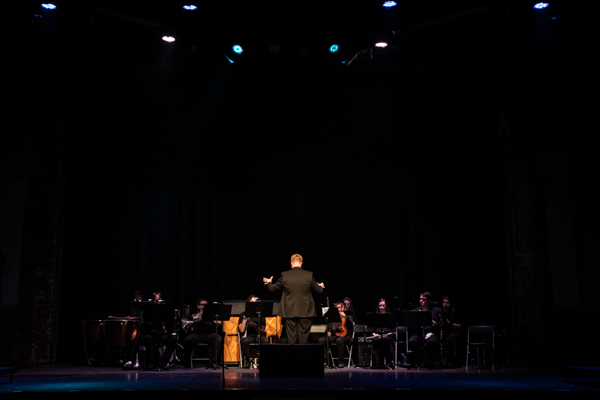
<point>110,341</point>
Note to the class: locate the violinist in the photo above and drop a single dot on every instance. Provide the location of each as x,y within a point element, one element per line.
<point>383,340</point>
<point>339,333</point>
<point>248,328</point>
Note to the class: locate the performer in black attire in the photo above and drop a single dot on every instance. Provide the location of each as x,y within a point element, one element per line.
<point>428,345</point>
<point>248,328</point>
<point>451,331</point>
<point>339,333</point>
<point>383,340</point>
<point>297,305</point>
<point>199,330</point>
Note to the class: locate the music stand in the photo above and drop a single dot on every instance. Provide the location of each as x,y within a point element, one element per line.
<point>162,314</point>
<point>416,319</point>
<point>364,329</point>
<point>382,320</point>
<point>259,309</point>
<point>150,312</point>
<point>218,312</point>
<point>331,316</point>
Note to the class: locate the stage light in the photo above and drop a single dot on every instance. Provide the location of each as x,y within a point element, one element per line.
<point>540,6</point>
<point>390,4</point>
<point>191,7</point>
<point>237,49</point>
<point>334,48</point>
<point>168,39</point>
<point>48,6</point>
<point>381,44</point>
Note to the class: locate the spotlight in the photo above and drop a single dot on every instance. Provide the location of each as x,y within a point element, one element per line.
<point>540,6</point>
<point>390,4</point>
<point>168,39</point>
<point>237,49</point>
<point>381,44</point>
<point>334,48</point>
<point>48,6</point>
<point>191,7</point>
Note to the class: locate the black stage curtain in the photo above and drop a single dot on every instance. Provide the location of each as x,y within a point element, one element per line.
<point>199,184</point>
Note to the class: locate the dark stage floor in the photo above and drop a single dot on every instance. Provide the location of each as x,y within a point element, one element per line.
<point>341,383</point>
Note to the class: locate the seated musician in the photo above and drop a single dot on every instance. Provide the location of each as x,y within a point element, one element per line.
<point>451,331</point>
<point>157,298</point>
<point>199,330</point>
<point>248,328</point>
<point>383,340</point>
<point>426,344</point>
<point>339,333</point>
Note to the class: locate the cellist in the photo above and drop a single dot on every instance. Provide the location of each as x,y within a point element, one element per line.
<point>340,334</point>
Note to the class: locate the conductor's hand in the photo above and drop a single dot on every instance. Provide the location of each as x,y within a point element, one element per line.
<point>266,281</point>
<point>322,285</point>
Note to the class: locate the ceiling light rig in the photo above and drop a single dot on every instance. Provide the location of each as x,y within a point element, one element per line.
<point>541,6</point>
<point>190,7</point>
<point>168,39</point>
<point>48,6</point>
<point>237,49</point>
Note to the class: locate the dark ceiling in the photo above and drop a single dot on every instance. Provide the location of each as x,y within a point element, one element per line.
<point>269,30</point>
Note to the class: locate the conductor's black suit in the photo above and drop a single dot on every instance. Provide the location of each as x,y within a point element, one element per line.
<point>297,305</point>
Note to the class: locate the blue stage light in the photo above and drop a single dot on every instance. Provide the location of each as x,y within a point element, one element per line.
<point>334,48</point>
<point>48,6</point>
<point>237,49</point>
<point>191,7</point>
<point>540,6</point>
<point>390,4</point>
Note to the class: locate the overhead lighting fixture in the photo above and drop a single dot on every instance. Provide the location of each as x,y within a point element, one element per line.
<point>237,49</point>
<point>48,6</point>
<point>390,4</point>
<point>168,39</point>
<point>381,45</point>
<point>334,48</point>
<point>190,7</point>
<point>540,6</point>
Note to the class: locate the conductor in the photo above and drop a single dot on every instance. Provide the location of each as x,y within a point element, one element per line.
<point>297,305</point>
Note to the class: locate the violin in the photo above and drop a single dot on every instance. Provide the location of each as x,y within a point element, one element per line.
<point>341,328</point>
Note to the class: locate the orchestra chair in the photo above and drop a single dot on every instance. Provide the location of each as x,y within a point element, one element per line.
<point>349,348</point>
<point>195,352</point>
<point>481,337</point>
<point>401,339</point>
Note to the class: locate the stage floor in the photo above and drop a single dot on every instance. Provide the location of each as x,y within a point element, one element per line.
<point>336,383</point>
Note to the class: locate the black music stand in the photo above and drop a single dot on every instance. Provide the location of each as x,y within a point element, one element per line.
<point>150,312</point>
<point>382,320</point>
<point>331,316</point>
<point>218,312</point>
<point>416,319</point>
<point>162,313</point>
<point>259,309</point>
<point>364,329</point>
